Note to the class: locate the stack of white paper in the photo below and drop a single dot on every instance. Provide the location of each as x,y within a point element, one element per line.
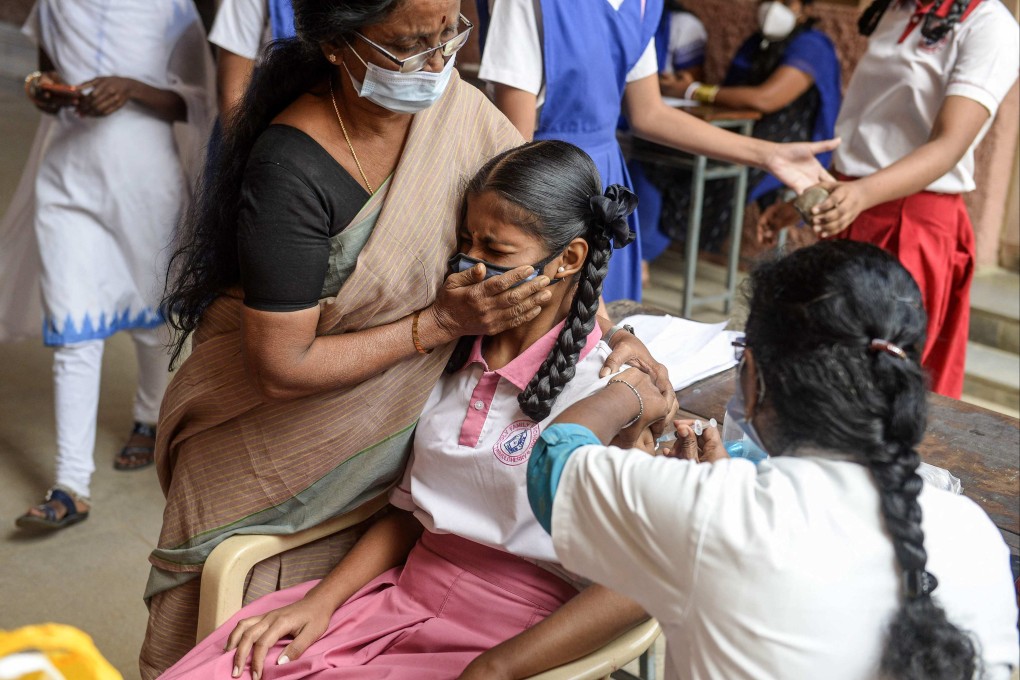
<point>690,350</point>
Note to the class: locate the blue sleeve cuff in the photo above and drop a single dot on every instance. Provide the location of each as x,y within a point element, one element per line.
<point>549,457</point>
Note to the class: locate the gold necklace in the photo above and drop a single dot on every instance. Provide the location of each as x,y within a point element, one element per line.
<point>350,146</point>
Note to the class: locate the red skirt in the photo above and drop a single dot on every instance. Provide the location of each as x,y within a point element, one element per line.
<point>932,237</point>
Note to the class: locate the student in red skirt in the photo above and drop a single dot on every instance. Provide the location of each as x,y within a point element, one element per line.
<point>918,103</point>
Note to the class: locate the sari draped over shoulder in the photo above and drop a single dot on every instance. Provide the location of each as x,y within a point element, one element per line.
<point>230,462</point>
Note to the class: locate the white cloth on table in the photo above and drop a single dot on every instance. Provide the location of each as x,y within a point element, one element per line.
<point>101,196</point>
<point>898,88</point>
<point>513,49</point>
<point>781,571</point>
<point>241,27</point>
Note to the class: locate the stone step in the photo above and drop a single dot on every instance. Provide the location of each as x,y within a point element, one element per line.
<point>993,375</point>
<point>995,310</point>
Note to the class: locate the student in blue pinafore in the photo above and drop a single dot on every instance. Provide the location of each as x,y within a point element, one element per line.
<point>562,68</point>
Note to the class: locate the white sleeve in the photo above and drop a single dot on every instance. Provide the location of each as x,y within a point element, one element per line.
<point>513,46</point>
<point>240,27</point>
<point>619,513</point>
<point>988,61</point>
<point>31,28</point>
<point>646,66</point>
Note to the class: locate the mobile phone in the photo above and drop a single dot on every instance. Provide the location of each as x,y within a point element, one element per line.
<point>59,90</point>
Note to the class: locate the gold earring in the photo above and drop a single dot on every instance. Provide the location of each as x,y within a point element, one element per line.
<point>332,58</point>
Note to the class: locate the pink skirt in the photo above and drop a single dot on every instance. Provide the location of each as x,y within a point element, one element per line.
<point>452,600</point>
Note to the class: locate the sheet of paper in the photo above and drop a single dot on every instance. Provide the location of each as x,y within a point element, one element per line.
<point>690,350</point>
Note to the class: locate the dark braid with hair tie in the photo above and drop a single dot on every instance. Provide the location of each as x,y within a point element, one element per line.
<point>611,209</point>
<point>817,322</point>
<point>872,15</point>
<point>552,190</point>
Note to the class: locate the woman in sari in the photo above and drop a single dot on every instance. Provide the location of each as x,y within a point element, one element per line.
<point>311,274</point>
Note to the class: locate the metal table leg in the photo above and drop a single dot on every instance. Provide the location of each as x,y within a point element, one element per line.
<point>693,232</point>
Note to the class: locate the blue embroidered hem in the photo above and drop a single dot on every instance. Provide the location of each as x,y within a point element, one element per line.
<point>54,337</point>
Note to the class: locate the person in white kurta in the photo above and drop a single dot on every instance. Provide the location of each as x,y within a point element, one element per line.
<point>108,188</point>
<point>790,570</point>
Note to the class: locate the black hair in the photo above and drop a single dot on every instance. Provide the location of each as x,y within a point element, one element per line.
<point>813,317</point>
<point>934,27</point>
<point>552,190</point>
<point>204,263</point>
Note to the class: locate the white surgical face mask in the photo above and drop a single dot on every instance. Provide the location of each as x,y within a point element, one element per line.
<point>776,20</point>
<point>402,92</point>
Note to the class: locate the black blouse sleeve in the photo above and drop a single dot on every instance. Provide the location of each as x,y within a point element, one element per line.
<point>283,239</point>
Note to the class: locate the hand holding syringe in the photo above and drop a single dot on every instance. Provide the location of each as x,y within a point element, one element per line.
<point>694,440</point>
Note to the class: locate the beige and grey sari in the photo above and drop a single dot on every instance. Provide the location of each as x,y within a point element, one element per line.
<point>230,462</point>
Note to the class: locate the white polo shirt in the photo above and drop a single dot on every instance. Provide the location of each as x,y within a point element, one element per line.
<point>781,571</point>
<point>513,49</point>
<point>241,27</point>
<point>468,469</point>
<point>899,86</point>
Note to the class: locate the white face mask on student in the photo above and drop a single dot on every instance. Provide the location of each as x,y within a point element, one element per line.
<point>776,20</point>
<point>402,92</point>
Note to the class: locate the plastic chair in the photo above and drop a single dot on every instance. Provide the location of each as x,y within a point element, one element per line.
<point>228,565</point>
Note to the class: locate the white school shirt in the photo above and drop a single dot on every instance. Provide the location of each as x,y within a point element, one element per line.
<point>898,88</point>
<point>468,468</point>
<point>687,39</point>
<point>513,49</point>
<point>241,27</point>
<point>781,571</point>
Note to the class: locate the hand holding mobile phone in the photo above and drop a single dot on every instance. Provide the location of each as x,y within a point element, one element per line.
<point>48,93</point>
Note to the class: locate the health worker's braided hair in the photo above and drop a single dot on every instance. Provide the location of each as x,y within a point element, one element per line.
<point>934,27</point>
<point>204,263</point>
<point>552,190</point>
<point>837,330</point>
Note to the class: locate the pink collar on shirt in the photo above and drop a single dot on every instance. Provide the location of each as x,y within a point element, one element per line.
<point>521,370</point>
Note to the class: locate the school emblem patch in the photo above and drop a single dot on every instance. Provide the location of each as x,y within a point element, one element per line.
<point>515,443</point>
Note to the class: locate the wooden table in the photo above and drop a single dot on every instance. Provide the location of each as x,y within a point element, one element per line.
<point>702,170</point>
<point>979,446</point>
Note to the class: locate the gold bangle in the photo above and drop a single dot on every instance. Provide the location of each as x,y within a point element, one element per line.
<point>32,82</point>
<point>414,335</point>
<point>706,93</point>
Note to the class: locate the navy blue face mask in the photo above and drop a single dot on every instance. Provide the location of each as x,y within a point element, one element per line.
<point>461,263</point>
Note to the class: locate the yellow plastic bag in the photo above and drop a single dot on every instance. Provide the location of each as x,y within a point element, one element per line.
<point>70,650</point>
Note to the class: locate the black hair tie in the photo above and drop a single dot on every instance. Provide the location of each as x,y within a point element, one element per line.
<point>918,583</point>
<point>611,211</point>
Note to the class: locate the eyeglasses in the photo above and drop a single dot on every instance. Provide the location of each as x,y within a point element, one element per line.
<point>739,345</point>
<point>416,62</point>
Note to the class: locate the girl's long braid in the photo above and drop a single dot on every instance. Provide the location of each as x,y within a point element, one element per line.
<point>923,644</point>
<point>559,367</point>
